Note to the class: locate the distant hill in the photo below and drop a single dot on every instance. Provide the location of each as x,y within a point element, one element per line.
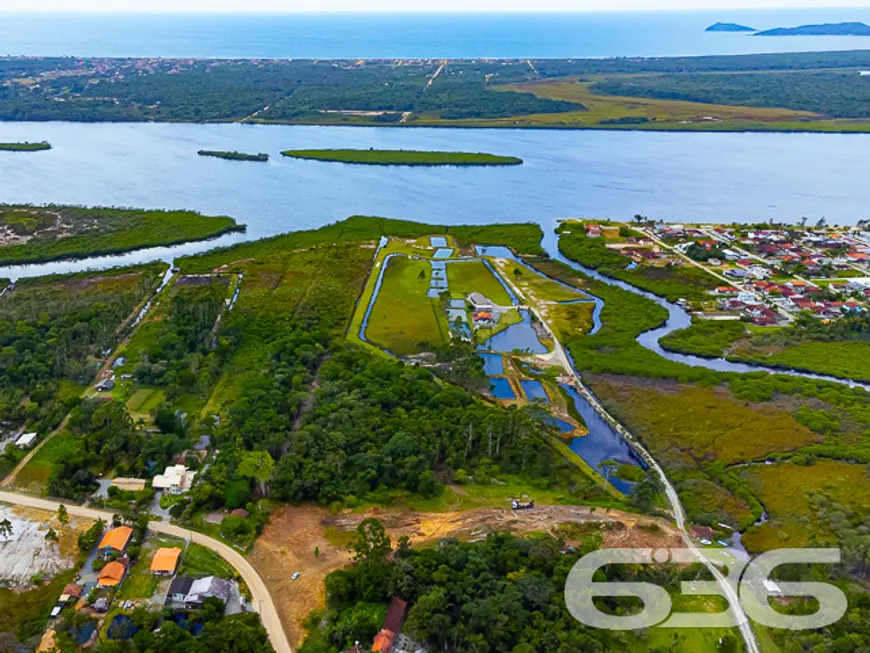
<point>729,27</point>
<point>826,29</point>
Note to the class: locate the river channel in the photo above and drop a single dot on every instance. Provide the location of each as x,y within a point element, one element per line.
<point>752,177</point>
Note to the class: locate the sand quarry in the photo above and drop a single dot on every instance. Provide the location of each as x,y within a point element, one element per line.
<point>27,553</point>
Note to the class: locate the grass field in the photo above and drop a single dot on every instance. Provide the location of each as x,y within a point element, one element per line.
<point>404,320</point>
<point>35,474</point>
<point>791,494</point>
<point>466,277</point>
<point>571,320</point>
<point>686,424</point>
<point>200,561</point>
<point>405,157</point>
<point>63,232</point>
<point>24,615</point>
<point>617,111</point>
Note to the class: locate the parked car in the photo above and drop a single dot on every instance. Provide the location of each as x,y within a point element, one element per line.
<point>295,575</point>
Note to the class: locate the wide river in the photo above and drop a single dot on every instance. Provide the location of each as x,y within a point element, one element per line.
<point>601,174</point>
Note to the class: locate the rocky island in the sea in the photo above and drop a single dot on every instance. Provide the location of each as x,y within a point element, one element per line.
<point>826,29</point>
<point>729,27</point>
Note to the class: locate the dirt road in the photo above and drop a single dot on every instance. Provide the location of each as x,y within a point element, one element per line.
<point>261,599</point>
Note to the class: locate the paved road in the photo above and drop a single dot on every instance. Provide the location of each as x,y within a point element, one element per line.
<point>262,600</point>
<point>728,590</point>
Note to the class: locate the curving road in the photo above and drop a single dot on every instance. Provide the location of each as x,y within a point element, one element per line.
<point>262,600</point>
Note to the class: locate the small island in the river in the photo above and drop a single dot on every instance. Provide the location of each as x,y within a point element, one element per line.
<point>826,29</point>
<point>25,147</point>
<point>234,156</point>
<point>405,157</point>
<point>729,27</point>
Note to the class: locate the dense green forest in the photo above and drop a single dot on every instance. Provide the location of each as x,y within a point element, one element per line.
<point>53,330</point>
<point>838,94</point>
<point>502,594</point>
<point>386,92</point>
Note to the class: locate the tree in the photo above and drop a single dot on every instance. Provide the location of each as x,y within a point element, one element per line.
<point>51,535</point>
<point>257,466</point>
<point>371,545</point>
<point>6,529</point>
<point>62,514</point>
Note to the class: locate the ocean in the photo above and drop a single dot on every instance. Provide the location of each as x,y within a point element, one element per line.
<point>420,35</point>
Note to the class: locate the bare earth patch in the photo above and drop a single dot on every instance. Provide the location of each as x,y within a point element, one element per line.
<point>289,541</point>
<point>26,552</point>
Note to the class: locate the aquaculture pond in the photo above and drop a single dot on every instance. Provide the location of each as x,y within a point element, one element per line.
<point>562,425</point>
<point>534,390</point>
<point>438,241</point>
<point>443,252</point>
<point>501,388</point>
<point>517,337</point>
<point>602,444</point>
<point>493,365</point>
<point>81,634</point>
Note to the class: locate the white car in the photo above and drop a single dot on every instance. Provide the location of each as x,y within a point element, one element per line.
<point>295,575</point>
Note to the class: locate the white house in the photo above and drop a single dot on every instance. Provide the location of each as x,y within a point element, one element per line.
<point>26,440</point>
<point>176,479</point>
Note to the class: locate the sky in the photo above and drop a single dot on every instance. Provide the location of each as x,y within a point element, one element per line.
<point>316,6</point>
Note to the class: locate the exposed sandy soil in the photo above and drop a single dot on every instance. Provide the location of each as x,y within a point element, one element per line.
<point>26,552</point>
<point>288,543</point>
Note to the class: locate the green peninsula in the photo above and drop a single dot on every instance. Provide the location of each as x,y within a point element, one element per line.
<point>405,157</point>
<point>31,234</point>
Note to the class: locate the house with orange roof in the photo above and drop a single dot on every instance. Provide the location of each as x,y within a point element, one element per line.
<point>112,574</point>
<point>115,540</point>
<point>392,626</point>
<point>165,560</point>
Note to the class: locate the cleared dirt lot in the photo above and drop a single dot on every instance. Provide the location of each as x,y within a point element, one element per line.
<point>26,552</point>
<point>289,542</point>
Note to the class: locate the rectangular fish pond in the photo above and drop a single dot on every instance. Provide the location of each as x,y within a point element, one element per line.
<point>493,365</point>
<point>501,388</point>
<point>534,390</point>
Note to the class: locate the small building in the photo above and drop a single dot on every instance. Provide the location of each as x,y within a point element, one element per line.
<point>26,440</point>
<point>101,604</point>
<point>120,361</point>
<point>480,302</point>
<point>112,574</point>
<point>701,532</point>
<point>115,540</point>
<point>208,587</point>
<point>175,479</point>
<point>165,560</point>
<point>129,484</point>
<point>392,626</point>
<point>179,588</point>
<point>240,512</point>
<point>71,592</point>
<point>203,443</point>
<point>105,385</point>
